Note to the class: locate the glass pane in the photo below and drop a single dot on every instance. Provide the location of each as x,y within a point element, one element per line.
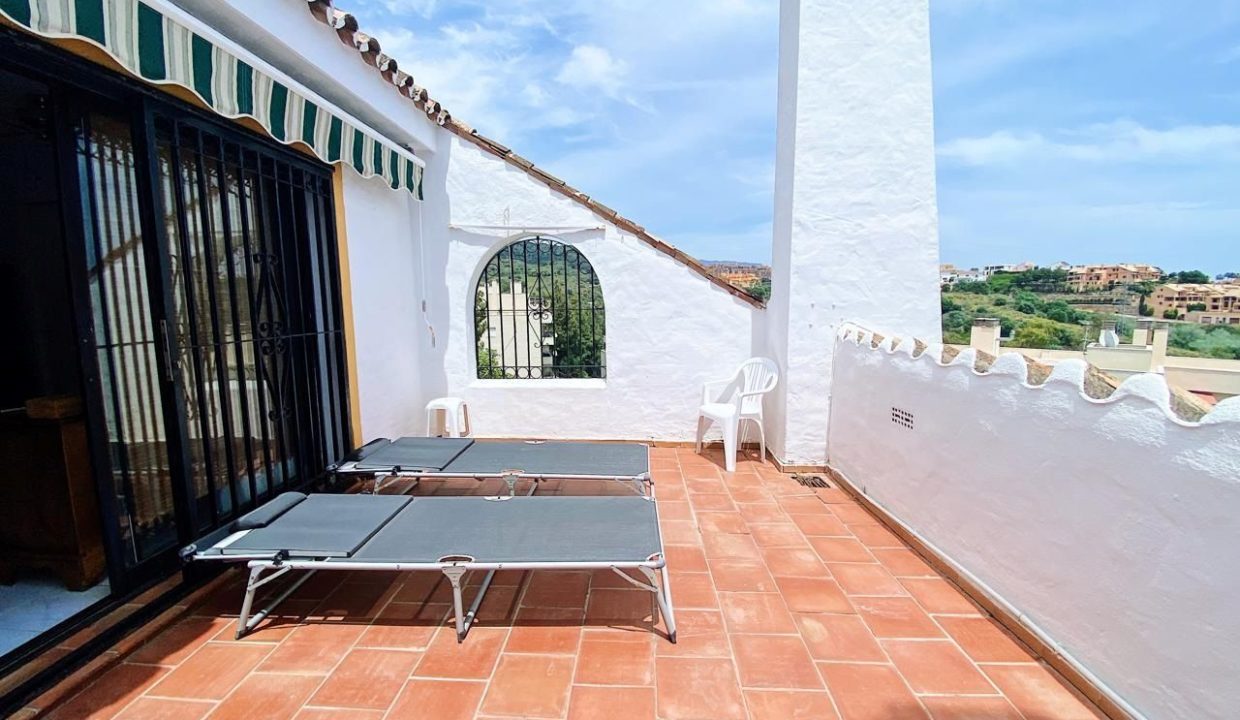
<point>125,339</point>
<point>255,297</point>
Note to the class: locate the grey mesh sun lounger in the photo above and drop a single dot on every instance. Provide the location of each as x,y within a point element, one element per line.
<point>509,460</point>
<point>454,535</point>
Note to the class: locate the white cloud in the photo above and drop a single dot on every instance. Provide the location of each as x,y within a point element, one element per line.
<point>397,42</point>
<point>996,148</point>
<point>589,67</point>
<point>424,8</point>
<point>994,48</point>
<point>1122,141</point>
<point>642,120</point>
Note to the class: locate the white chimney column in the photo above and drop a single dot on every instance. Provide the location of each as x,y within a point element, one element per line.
<point>984,335</point>
<point>1160,334</point>
<point>856,217</point>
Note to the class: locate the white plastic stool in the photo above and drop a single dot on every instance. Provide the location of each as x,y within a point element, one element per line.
<point>455,416</point>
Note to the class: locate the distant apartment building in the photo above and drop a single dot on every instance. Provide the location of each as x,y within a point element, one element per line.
<point>988,270</point>
<point>1213,304</point>
<point>950,274</point>
<point>740,274</point>
<point>528,347</point>
<point>1083,278</point>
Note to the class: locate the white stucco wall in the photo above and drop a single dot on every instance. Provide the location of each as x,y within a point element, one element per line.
<point>856,222</point>
<point>668,328</point>
<point>1108,525</point>
<point>382,229</point>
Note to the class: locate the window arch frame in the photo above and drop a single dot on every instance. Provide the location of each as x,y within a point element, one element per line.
<point>503,315</point>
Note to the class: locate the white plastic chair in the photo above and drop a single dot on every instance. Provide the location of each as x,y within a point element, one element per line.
<point>455,414</point>
<point>729,402</point>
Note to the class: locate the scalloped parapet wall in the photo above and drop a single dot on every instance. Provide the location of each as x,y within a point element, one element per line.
<point>1149,387</point>
<point>1086,507</point>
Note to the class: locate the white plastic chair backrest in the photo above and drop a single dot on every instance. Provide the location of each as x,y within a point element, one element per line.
<point>756,375</point>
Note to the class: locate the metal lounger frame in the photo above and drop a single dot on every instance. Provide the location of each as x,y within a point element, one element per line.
<point>642,484</point>
<point>454,569</point>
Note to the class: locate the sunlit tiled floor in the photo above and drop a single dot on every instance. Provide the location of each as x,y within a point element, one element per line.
<point>791,604</point>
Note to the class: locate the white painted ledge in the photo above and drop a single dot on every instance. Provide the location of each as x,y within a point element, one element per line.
<point>538,384</point>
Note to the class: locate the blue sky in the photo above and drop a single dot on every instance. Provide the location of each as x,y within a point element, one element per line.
<point>1083,131</point>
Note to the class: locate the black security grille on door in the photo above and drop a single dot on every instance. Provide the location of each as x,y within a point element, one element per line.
<point>125,339</point>
<point>254,318</point>
<point>538,313</point>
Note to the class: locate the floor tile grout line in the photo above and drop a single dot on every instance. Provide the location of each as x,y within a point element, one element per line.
<point>821,676</point>
<point>882,648</point>
<point>328,674</point>
<point>973,663</point>
<point>146,691</point>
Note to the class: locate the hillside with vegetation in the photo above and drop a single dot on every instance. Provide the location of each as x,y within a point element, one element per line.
<point>1036,310</point>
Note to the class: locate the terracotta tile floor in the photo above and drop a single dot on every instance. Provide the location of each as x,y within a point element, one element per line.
<point>792,603</point>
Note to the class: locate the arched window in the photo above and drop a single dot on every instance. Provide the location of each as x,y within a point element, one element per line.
<point>538,313</point>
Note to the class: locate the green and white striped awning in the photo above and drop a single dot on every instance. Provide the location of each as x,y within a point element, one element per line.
<point>160,50</point>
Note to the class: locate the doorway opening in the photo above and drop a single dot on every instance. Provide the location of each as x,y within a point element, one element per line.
<point>169,287</point>
<point>52,561</point>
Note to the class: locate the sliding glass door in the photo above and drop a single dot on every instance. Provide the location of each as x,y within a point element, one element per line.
<point>210,269</point>
<point>125,314</point>
<point>254,317</point>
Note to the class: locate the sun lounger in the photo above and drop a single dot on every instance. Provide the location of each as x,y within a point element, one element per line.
<point>452,535</point>
<point>509,460</point>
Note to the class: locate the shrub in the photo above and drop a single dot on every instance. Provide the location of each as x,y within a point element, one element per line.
<point>1171,314</point>
<point>1043,333</point>
<point>957,321</point>
<point>1028,303</point>
<point>1060,311</point>
<point>973,286</point>
<point>1220,342</point>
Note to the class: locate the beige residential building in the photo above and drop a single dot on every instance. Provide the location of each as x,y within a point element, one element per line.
<point>1212,304</point>
<point>741,274</point>
<point>525,351</point>
<point>1083,278</point>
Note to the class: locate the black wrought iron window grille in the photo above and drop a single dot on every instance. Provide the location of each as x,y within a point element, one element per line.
<point>538,313</point>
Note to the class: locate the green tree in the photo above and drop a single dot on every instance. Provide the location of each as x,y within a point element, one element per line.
<point>1001,282</point>
<point>1043,280</point>
<point>1191,277</point>
<point>1171,314</point>
<point>1144,290</point>
<point>1060,311</point>
<point>973,286</point>
<point>1028,303</point>
<point>577,351</point>
<point>1219,342</point>
<point>760,289</point>
<point>1047,334</point>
